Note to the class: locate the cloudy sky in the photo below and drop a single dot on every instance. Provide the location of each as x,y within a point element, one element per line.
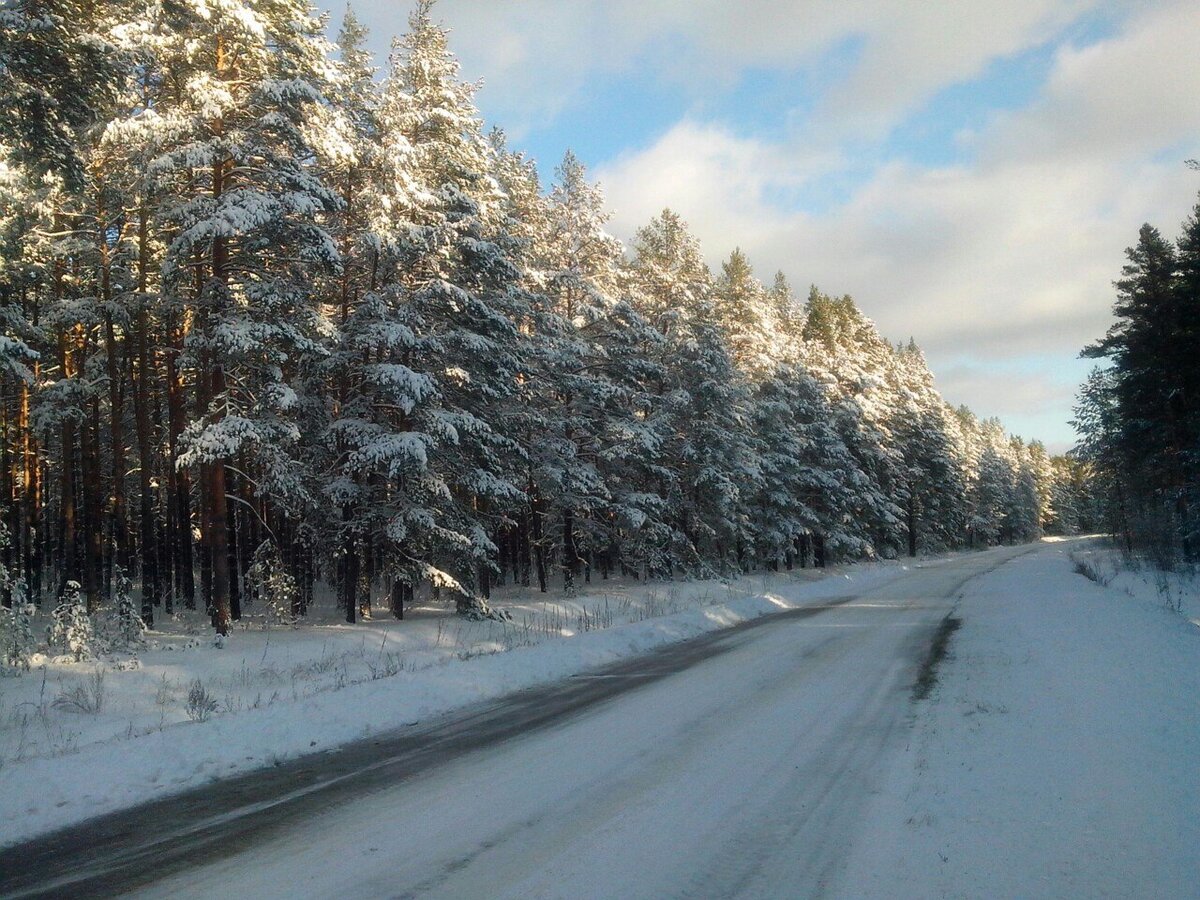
<point>969,170</point>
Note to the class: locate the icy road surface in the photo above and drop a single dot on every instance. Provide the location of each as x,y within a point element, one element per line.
<point>749,762</point>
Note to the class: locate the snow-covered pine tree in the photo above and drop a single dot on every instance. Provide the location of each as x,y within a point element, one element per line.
<point>1025,511</point>
<point>435,337</point>
<point>547,344</point>
<point>16,613</point>
<point>848,356</point>
<point>58,66</point>
<point>924,429</point>
<point>128,629</point>
<point>810,476</point>
<point>70,628</point>
<point>994,486</point>
<point>599,389</point>
<point>17,356</point>
<point>17,643</point>
<point>706,450</point>
<point>19,362</point>
<point>245,212</point>
<point>1041,469</point>
<point>137,323</point>
<point>368,167</point>
<point>269,583</point>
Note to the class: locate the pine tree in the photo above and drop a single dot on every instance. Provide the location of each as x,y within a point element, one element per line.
<point>1185,403</point>
<point>933,481</point>
<point>850,358</point>
<point>57,67</point>
<point>1150,348</point>
<point>16,629</point>
<point>433,344</point>
<point>269,583</point>
<point>581,265</point>
<point>70,627</point>
<point>247,241</point>
<point>128,628</point>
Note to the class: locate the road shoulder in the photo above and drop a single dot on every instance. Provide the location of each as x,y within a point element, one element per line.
<point>1055,757</point>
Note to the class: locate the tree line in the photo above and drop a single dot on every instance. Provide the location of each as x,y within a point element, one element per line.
<point>1139,412</point>
<point>274,319</point>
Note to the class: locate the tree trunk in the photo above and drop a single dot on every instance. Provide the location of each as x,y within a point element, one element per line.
<point>93,559</point>
<point>67,529</point>
<point>523,550</point>
<point>538,549</point>
<point>401,593</point>
<point>141,413</point>
<point>912,526</point>
<point>350,579</point>
<point>30,499</point>
<point>116,437</point>
<point>178,480</point>
<point>570,563</point>
<point>232,482</point>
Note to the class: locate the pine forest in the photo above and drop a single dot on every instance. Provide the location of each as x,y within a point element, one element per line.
<point>282,321</point>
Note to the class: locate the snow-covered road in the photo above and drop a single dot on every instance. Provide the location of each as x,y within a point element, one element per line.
<point>745,771</point>
<point>769,760</point>
<point>744,774</point>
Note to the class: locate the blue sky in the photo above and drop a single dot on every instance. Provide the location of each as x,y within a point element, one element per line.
<point>970,171</point>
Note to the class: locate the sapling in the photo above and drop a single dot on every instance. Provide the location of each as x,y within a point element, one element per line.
<point>70,627</point>
<point>269,582</point>
<point>128,626</point>
<point>16,629</point>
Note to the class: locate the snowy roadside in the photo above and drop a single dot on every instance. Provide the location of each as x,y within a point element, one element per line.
<point>281,693</point>
<point>1104,564</point>
<point>1057,755</point>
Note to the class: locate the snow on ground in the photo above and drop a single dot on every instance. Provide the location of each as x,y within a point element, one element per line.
<point>1102,562</point>
<point>187,712</point>
<point>1057,756</point>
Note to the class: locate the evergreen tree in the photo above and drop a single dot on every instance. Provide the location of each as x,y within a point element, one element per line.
<point>70,628</point>
<point>245,218</point>
<point>932,473</point>
<point>705,452</point>
<point>1152,348</point>
<point>58,65</point>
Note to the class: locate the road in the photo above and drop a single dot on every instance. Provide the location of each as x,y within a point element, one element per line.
<point>737,764</point>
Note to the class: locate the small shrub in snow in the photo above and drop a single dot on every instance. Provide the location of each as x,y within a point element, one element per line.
<point>87,697</point>
<point>269,583</point>
<point>200,703</point>
<point>70,627</point>
<point>16,631</point>
<point>1091,570</point>
<point>476,609</point>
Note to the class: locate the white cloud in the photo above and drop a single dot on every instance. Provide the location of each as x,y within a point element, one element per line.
<point>915,49</point>
<point>723,184</point>
<point>1121,97</point>
<point>1011,255</point>
<point>538,55</point>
